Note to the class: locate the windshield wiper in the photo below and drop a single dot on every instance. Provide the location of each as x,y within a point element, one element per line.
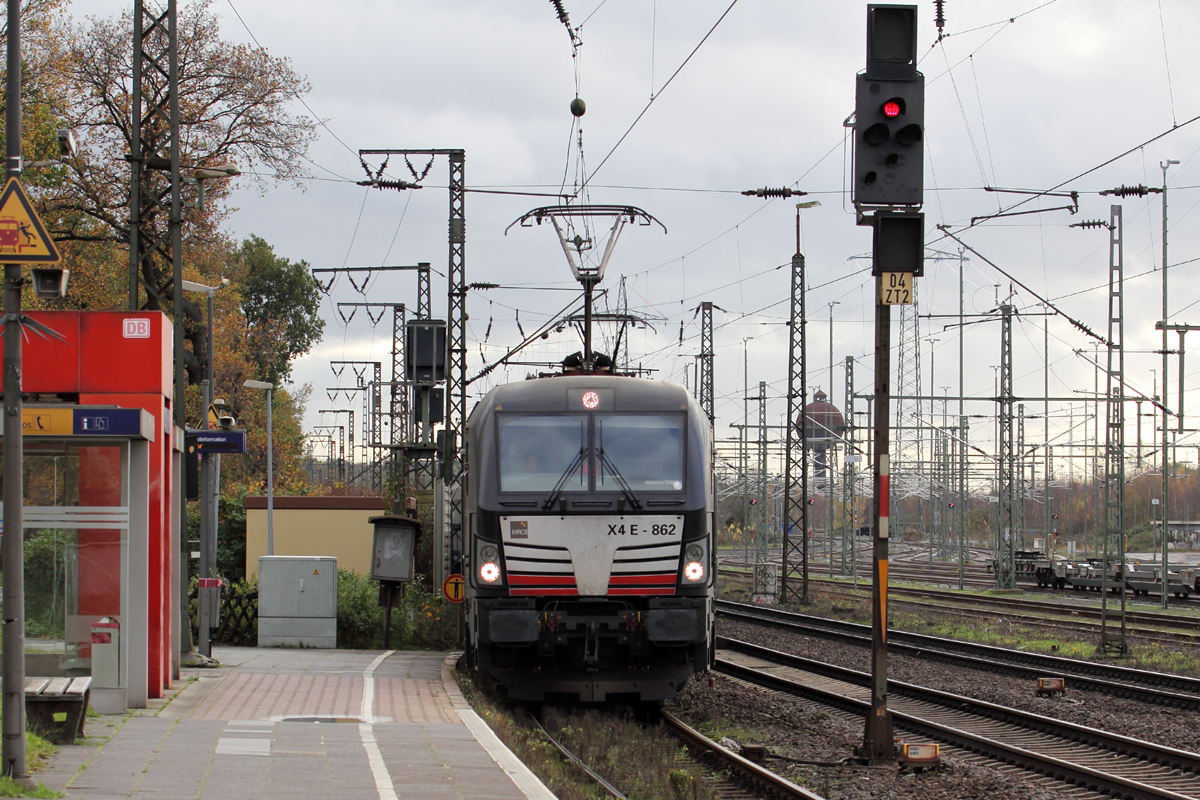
<point>605,461</point>
<point>552,498</point>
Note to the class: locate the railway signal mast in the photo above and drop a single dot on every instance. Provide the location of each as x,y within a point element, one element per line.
<point>888,191</point>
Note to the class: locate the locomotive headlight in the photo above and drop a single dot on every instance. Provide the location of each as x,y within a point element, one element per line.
<point>488,552</point>
<point>489,571</point>
<point>694,556</point>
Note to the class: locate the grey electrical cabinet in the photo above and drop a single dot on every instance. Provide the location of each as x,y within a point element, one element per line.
<point>297,601</point>
<point>393,547</point>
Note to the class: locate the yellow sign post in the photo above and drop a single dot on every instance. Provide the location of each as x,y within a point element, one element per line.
<point>896,289</point>
<point>23,237</point>
<point>454,588</point>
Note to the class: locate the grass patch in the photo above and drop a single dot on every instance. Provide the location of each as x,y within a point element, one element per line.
<point>37,750</point>
<point>717,728</point>
<point>641,761</point>
<point>10,788</point>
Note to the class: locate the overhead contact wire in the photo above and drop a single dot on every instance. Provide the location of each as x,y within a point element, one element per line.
<point>659,94</point>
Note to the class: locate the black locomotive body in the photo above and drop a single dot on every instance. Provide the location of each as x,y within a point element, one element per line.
<point>590,561</point>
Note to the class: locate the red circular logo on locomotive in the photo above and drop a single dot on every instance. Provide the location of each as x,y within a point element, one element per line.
<point>590,400</point>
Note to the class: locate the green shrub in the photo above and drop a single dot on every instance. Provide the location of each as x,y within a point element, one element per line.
<point>46,555</point>
<point>422,620</point>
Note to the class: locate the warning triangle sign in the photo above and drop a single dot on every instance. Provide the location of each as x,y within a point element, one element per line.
<point>23,237</point>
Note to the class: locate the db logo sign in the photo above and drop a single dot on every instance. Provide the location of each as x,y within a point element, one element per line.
<point>137,329</point>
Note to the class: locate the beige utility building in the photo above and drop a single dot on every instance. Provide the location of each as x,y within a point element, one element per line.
<point>313,526</point>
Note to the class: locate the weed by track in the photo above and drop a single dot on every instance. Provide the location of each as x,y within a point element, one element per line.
<point>644,762</point>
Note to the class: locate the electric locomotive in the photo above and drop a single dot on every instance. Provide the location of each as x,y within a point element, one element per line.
<point>590,559</point>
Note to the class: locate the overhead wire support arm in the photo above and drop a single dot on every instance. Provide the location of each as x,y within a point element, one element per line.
<point>1081,326</point>
<point>1073,207</point>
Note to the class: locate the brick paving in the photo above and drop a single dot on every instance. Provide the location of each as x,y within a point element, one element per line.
<point>230,734</point>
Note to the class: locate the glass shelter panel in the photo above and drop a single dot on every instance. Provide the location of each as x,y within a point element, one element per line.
<point>536,452</point>
<point>76,515</point>
<point>646,449</point>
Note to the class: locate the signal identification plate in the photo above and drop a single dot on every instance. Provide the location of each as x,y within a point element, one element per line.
<point>896,289</point>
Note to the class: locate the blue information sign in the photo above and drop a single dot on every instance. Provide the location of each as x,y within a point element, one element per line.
<point>107,422</point>
<point>217,441</point>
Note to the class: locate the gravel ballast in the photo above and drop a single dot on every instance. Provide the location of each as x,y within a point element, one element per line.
<point>800,729</point>
<point>1172,727</point>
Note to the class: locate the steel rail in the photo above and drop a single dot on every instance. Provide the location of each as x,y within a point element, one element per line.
<point>1044,615</point>
<point>1157,687</point>
<point>1102,746</point>
<point>1144,617</point>
<point>608,787</point>
<point>773,784</point>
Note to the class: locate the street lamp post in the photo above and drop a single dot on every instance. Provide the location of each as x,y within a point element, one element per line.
<point>270,387</point>
<point>13,624</point>
<point>208,516</point>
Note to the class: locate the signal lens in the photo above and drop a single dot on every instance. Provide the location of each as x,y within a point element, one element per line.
<point>693,571</point>
<point>489,571</point>
<point>892,109</point>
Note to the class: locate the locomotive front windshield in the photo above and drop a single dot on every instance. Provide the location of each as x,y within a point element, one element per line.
<point>535,452</point>
<point>644,450</point>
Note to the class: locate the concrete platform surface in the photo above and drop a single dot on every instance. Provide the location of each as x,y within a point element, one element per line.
<point>297,724</point>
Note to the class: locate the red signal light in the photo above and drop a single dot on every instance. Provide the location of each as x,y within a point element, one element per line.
<point>891,109</point>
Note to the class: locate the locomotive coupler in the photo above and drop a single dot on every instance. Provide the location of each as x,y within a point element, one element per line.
<point>591,645</point>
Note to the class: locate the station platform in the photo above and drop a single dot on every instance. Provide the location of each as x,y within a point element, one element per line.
<point>391,725</point>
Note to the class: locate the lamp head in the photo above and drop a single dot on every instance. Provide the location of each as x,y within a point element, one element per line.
<point>67,146</point>
<point>50,283</point>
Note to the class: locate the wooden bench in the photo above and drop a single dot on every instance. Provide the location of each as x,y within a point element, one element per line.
<point>45,697</point>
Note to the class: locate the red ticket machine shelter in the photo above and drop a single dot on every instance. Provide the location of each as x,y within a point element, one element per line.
<point>121,359</point>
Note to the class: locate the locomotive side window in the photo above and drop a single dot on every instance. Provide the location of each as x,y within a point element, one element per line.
<point>535,451</point>
<point>645,449</point>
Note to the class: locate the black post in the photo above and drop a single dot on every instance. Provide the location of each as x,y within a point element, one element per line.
<point>587,321</point>
<point>387,618</point>
<point>878,744</point>
<point>13,636</point>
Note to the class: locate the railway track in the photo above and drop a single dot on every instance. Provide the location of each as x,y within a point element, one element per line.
<point>1165,628</point>
<point>918,570</point>
<point>761,778</point>
<point>1154,687</point>
<point>733,777</point>
<point>1081,757</point>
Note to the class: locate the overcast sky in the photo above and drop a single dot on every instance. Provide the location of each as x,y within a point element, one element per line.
<point>1021,94</point>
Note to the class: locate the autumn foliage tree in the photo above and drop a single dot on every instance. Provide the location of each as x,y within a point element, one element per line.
<point>237,106</point>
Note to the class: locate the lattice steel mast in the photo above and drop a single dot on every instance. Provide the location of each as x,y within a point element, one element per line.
<point>704,385</point>
<point>1114,448</point>
<point>794,580</point>
<point>908,449</point>
<point>1006,576</point>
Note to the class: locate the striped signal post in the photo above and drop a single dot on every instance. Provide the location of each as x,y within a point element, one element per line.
<point>877,741</point>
